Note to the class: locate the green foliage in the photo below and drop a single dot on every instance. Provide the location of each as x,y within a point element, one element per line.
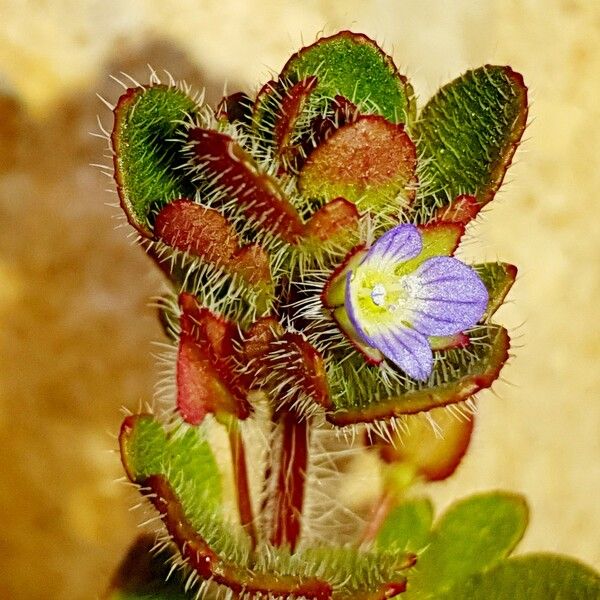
<point>359,393</point>
<point>529,577</point>
<point>149,450</point>
<point>340,62</point>
<point>498,279</point>
<point>147,123</point>
<point>467,134</point>
<point>407,527</point>
<point>471,536</point>
<point>185,459</point>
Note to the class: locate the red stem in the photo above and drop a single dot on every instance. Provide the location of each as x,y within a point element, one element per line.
<point>291,481</point>
<point>240,476</point>
<point>379,513</point>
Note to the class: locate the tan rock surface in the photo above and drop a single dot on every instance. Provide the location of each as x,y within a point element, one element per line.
<point>75,330</point>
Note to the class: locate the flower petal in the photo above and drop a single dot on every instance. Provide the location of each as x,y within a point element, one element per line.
<point>398,245</point>
<point>407,348</point>
<point>444,296</point>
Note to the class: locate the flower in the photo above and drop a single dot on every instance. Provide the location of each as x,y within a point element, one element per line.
<point>395,301</point>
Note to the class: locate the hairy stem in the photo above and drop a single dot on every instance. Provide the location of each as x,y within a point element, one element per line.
<point>291,480</point>
<point>240,475</point>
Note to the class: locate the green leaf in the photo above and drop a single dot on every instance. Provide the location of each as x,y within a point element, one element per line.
<point>184,458</point>
<point>407,526</point>
<point>530,577</point>
<point>467,135</point>
<point>498,278</point>
<point>147,120</point>
<point>471,536</point>
<point>360,394</point>
<point>179,474</point>
<point>354,66</point>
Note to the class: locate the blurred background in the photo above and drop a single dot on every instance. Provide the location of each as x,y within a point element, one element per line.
<point>75,327</point>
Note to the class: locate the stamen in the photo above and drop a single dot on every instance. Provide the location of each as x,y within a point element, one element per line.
<point>378,294</point>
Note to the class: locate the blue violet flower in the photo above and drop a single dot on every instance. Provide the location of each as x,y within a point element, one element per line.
<point>394,302</point>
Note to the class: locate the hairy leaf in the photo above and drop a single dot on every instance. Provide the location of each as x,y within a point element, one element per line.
<point>222,164</point>
<point>179,475</point>
<point>369,162</point>
<point>147,120</point>
<point>498,279</point>
<point>292,370</point>
<point>360,393</point>
<point>337,218</point>
<point>235,108</point>
<point>204,233</point>
<point>291,108</point>
<point>352,65</point>
<point>467,135</point>
<point>206,380</point>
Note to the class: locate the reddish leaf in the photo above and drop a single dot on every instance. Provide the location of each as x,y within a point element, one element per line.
<point>260,336</point>
<point>201,231</point>
<point>370,160</point>
<point>309,368</point>
<point>285,356</point>
<point>461,210</point>
<point>265,106</point>
<point>252,262</point>
<point>342,112</point>
<point>335,218</point>
<point>205,233</point>
<point>434,456</point>
<point>257,193</point>
<point>206,381</point>
<point>292,103</point>
<point>206,327</point>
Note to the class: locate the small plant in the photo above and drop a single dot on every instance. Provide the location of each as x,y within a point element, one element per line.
<point>316,312</point>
